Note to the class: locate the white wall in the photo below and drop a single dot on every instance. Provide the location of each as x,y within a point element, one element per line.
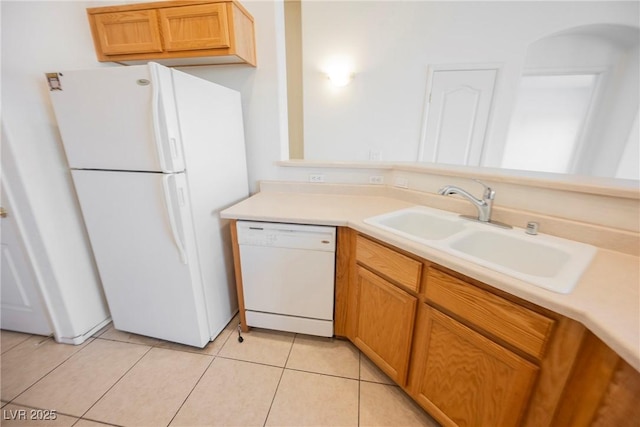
<point>628,167</point>
<point>39,37</point>
<point>391,44</point>
<point>263,89</point>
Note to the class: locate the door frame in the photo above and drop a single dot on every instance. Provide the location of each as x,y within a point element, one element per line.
<point>580,161</point>
<point>472,66</point>
<point>16,197</point>
<point>21,249</point>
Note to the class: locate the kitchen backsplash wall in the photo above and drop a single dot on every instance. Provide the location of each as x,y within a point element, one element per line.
<point>589,210</point>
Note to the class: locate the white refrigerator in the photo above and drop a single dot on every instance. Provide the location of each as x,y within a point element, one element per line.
<point>155,155</point>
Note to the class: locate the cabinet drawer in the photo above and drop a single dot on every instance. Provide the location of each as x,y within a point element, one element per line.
<point>395,266</point>
<point>516,325</point>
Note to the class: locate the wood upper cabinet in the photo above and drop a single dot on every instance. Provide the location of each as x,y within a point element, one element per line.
<point>122,33</point>
<point>174,33</point>
<point>465,379</point>
<point>195,27</point>
<point>385,316</point>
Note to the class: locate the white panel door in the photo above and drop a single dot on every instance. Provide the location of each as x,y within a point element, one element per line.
<point>141,234</point>
<point>118,119</point>
<point>458,112</point>
<point>21,305</point>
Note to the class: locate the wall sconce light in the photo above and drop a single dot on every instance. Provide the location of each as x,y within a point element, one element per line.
<point>340,77</point>
<point>339,70</point>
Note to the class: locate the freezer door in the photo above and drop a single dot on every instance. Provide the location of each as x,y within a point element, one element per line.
<point>120,118</point>
<point>142,238</point>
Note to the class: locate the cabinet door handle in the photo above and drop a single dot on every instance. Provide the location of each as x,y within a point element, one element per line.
<point>3,213</point>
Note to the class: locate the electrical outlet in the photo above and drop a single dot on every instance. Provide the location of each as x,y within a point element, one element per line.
<point>402,182</point>
<point>316,177</point>
<point>375,155</point>
<point>376,179</point>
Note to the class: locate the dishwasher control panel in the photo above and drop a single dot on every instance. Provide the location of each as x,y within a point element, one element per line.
<point>296,236</point>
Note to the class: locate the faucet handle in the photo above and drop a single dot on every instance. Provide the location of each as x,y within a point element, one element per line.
<point>489,193</point>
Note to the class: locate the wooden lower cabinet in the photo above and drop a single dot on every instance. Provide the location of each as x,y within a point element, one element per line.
<point>385,316</point>
<point>602,391</point>
<point>463,378</point>
<point>472,355</point>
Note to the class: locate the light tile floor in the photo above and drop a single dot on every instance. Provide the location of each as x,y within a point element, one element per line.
<point>271,379</point>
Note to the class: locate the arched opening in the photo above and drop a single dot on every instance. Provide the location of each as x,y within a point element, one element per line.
<point>578,98</point>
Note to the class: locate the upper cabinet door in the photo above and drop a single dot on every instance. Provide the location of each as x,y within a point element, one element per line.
<point>195,27</point>
<point>128,32</point>
<point>174,33</point>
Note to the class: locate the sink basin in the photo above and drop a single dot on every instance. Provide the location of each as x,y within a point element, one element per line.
<point>516,254</point>
<point>545,261</point>
<point>420,223</point>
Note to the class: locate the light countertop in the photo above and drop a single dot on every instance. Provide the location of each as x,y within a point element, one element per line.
<point>606,299</point>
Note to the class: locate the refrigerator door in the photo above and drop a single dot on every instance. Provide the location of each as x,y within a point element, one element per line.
<point>120,118</point>
<point>213,138</point>
<point>141,233</point>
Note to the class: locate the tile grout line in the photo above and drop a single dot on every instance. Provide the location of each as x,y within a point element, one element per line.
<point>46,374</point>
<point>3,351</point>
<point>358,378</point>
<point>204,372</point>
<point>12,402</point>
<point>128,342</point>
<point>359,382</point>
<point>66,415</point>
<point>114,384</point>
<point>226,340</point>
<point>24,405</point>
<point>194,387</point>
<point>162,343</point>
<point>324,374</point>
<point>279,380</point>
<point>95,421</point>
<point>159,346</point>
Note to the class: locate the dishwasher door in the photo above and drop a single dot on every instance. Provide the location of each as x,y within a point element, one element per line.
<point>288,273</point>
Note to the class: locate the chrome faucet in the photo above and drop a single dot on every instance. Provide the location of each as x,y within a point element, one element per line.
<point>483,206</point>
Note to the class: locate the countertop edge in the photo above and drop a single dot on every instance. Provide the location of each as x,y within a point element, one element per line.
<point>578,305</point>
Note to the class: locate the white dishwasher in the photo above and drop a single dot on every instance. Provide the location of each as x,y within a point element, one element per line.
<point>288,275</point>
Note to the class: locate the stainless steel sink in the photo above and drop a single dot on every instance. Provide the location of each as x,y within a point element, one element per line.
<point>542,260</point>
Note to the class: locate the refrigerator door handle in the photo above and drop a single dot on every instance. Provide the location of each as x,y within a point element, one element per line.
<point>171,199</point>
<point>167,145</point>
